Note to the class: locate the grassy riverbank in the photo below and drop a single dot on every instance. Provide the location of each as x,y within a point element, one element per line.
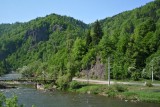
<point>124,92</point>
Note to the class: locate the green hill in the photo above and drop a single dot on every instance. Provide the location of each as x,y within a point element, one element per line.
<point>61,46</point>
<point>132,39</point>
<point>39,40</point>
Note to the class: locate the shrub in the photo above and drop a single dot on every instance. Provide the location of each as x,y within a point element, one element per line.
<point>111,92</point>
<point>62,82</point>
<point>74,85</point>
<point>120,88</point>
<point>135,76</point>
<point>9,102</point>
<point>149,84</point>
<point>12,102</point>
<point>95,89</point>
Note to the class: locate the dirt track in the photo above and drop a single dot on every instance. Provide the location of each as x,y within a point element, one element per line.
<point>111,82</point>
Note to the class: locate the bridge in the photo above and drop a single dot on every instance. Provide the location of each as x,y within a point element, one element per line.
<point>17,78</point>
<point>37,83</point>
<point>25,81</point>
<point>9,80</point>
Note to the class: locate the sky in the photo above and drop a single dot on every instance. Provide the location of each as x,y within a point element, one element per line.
<point>88,11</point>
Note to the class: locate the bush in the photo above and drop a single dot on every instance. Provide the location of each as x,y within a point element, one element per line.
<point>9,102</point>
<point>75,85</point>
<point>120,88</point>
<point>135,76</point>
<point>12,102</point>
<point>63,82</point>
<point>149,84</point>
<point>95,89</point>
<point>111,92</point>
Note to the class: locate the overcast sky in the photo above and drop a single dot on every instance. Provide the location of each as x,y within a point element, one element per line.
<point>85,10</point>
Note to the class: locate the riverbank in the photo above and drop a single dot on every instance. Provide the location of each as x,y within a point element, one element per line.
<point>132,93</point>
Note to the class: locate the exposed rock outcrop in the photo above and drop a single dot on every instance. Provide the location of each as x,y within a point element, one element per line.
<point>37,35</point>
<point>97,71</point>
<point>58,27</point>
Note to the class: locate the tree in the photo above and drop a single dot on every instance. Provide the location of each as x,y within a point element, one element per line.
<point>78,50</point>
<point>154,65</point>
<point>88,38</point>
<point>97,33</point>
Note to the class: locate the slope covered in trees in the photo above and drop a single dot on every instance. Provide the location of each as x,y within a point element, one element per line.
<point>38,41</point>
<point>60,47</point>
<point>132,38</point>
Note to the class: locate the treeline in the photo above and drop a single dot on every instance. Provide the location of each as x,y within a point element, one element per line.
<point>60,47</point>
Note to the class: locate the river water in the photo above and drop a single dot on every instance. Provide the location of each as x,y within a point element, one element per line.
<point>30,96</point>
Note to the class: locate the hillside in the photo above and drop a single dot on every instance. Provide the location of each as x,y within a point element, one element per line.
<point>132,40</point>
<point>38,40</point>
<point>61,47</point>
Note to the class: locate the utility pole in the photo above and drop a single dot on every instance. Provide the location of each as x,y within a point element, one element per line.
<point>87,75</point>
<point>152,72</point>
<point>108,71</point>
<point>152,62</point>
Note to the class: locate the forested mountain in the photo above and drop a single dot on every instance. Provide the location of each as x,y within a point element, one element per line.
<point>132,38</point>
<point>60,47</point>
<point>38,41</point>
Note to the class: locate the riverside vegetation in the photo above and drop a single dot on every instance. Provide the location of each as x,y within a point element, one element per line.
<point>59,47</point>
<point>9,102</point>
<point>133,93</point>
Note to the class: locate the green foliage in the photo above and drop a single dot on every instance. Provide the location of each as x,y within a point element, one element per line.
<point>60,46</point>
<point>97,33</point>
<point>74,85</point>
<point>90,89</point>
<point>63,82</point>
<point>88,39</point>
<point>114,89</point>
<point>130,95</point>
<point>2,69</point>
<point>149,84</point>
<point>78,50</point>
<point>149,97</point>
<point>2,99</point>
<point>153,65</point>
<point>135,76</point>
<point>89,58</point>
<point>12,102</point>
<point>120,88</point>
<point>9,102</point>
<point>111,92</point>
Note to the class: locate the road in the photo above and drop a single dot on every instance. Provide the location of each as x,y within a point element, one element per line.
<point>111,82</point>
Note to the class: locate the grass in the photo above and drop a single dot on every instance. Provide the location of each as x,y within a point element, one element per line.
<point>144,96</point>
<point>90,89</point>
<point>149,96</point>
<point>124,92</point>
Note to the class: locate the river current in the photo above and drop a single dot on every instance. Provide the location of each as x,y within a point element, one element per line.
<point>30,96</point>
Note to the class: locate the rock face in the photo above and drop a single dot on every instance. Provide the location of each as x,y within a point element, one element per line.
<point>37,35</point>
<point>97,71</point>
<point>58,27</point>
<point>42,34</point>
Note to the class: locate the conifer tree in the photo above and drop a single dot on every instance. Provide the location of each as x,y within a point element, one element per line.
<point>98,33</point>
<point>88,38</point>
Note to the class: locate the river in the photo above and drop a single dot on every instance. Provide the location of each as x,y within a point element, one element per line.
<point>30,96</point>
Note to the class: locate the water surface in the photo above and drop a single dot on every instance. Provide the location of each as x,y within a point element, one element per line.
<point>29,96</point>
